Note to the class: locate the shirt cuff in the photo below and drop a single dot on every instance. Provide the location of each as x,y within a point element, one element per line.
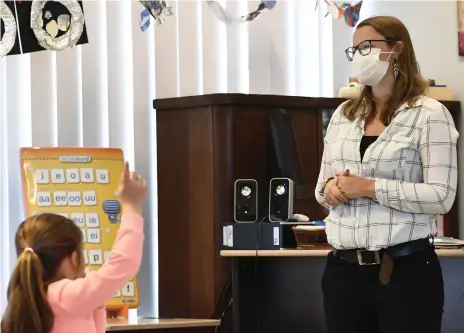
<point>387,192</point>
<point>381,194</point>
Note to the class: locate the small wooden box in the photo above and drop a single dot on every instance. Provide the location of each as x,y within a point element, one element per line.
<point>310,237</point>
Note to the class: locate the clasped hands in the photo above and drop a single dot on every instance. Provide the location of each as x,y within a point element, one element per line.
<point>346,186</point>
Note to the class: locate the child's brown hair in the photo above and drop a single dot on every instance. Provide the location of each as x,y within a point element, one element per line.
<point>42,243</point>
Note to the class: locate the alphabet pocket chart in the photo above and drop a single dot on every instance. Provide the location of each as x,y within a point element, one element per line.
<point>81,184</point>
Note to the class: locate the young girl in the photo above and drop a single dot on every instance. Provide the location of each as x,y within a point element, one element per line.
<point>49,292</point>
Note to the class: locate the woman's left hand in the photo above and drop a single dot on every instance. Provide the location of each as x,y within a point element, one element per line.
<point>354,187</point>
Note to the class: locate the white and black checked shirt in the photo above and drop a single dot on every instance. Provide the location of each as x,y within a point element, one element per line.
<point>414,165</point>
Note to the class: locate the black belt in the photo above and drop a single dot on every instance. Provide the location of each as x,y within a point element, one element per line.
<point>365,257</point>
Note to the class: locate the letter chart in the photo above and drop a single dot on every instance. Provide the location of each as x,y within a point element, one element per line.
<point>81,184</point>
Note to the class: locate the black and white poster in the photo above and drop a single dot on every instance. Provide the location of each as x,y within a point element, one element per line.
<point>31,26</point>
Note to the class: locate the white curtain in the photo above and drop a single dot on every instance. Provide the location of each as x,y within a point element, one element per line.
<point>100,94</point>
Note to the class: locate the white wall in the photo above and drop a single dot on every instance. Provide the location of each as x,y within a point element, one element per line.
<point>433,28</point>
<point>342,39</point>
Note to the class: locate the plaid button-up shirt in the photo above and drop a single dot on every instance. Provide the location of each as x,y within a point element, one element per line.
<point>414,165</point>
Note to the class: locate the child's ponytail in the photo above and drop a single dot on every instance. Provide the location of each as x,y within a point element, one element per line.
<point>42,243</point>
<point>28,309</point>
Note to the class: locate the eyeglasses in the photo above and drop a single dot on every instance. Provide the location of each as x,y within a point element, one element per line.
<point>364,48</point>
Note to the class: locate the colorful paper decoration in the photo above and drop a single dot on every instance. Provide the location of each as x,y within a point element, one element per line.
<point>158,9</point>
<point>32,26</point>
<point>351,14</point>
<point>144,20</point>
<point>224,16</point>
<point>349,10</point>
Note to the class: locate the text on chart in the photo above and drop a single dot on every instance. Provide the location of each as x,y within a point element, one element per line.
<point>91,236</point>
<point>63,198</point>
<point>75,159</point>
<point>82,220</point>
<point>71,176</point>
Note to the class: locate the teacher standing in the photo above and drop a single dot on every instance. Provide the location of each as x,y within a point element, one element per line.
<point>389,167</point>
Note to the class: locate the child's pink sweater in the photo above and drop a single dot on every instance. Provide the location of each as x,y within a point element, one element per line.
<point>77,304</point>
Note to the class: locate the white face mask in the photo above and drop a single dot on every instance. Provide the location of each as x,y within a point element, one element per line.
<point>369,69</point>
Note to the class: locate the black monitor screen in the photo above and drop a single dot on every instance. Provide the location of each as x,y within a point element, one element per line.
<point>286,150</point>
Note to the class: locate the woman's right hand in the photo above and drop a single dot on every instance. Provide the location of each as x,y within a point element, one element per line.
<point>132,190</point>
<point>332,194</point>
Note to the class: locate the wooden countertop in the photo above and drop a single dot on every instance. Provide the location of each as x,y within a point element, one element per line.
<point>313,253</point>
<point>153,324</point>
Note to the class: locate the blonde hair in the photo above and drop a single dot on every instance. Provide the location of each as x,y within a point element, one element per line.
<point>42,242</point>
<point>409,85</point>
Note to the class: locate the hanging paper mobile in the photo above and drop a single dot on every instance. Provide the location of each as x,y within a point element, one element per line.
<point>224,16</point>
<point>158,9</point>
<point>31,26</point>
<point>351,14</point>
<point>349,10</point>
<point>144,19</point>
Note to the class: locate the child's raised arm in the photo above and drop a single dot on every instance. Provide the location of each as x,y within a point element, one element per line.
<point>84,295</point>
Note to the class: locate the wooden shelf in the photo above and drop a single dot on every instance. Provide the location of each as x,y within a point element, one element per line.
<point>313,253</point>
<point>140,324</point>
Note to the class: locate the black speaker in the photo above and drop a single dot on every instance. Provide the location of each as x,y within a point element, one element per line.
<point>281,194</point>
<point>246,200</point>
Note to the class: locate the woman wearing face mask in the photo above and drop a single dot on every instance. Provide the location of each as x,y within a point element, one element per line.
<point>389,167</point>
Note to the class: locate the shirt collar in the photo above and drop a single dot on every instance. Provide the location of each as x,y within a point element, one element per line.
<point>405,106</point>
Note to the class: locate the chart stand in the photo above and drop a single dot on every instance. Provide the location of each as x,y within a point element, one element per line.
<point>122,312</point>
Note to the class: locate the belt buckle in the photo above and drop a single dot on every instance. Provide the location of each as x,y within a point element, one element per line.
<point>362,263</point>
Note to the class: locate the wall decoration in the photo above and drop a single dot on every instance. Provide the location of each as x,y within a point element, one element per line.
<point>460,4</point>
<point>144,20</point>
<point>158,9</point>
<point>349,10</point>
<point>224,16</point>
<point>8,29</point>
<point>31,26</point>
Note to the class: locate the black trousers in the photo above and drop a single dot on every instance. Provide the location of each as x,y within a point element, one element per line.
<point>356,302</point>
